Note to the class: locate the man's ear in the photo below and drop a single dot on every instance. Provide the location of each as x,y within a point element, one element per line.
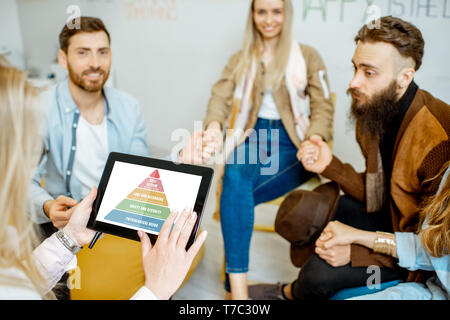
<point>62,59</point>
<point>405,77</point>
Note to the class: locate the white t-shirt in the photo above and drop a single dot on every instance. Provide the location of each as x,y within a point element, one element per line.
<point>91,154</point>
<point>269,108</point>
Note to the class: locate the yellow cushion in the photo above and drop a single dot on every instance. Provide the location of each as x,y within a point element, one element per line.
<point>110,270</point>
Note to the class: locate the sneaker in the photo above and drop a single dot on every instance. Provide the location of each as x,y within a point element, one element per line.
<point>266,291</point>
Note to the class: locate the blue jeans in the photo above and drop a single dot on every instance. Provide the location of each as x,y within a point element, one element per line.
<point>261,169</point>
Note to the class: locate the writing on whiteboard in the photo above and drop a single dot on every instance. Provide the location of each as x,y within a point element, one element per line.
<point>343,10</point>
<point>151,10</point>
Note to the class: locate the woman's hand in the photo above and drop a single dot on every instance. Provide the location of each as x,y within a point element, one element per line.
<point>336,234</point>
<point>76,227</point>
<point>167,262</point>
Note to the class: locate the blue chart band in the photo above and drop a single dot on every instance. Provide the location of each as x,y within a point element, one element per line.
<point>135,220</point>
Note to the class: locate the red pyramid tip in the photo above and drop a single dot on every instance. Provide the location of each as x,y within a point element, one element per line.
<point>155,174</point>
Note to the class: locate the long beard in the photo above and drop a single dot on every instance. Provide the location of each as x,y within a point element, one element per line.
<point>86,85</point>
<point>375,115</point>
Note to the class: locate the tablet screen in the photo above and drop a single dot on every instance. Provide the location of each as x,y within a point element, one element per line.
<point>141,197</point>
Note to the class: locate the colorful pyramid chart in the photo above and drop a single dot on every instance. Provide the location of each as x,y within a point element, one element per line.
<point>146,207</point>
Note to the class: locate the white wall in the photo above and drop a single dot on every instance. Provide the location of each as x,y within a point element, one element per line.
<point>168,53</point>
<point>10,33</point>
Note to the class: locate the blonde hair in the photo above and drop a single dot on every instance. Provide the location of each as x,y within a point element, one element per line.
<point>252,49</point>
<point>20,145</point>
<point>436,236</point>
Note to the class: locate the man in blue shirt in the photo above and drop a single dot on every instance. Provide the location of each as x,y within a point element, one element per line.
<point>85,121</point>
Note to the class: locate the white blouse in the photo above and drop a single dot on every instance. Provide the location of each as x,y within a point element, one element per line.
<point>269,108</point>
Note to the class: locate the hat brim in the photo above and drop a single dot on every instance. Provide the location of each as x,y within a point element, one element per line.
<point>300,254</point>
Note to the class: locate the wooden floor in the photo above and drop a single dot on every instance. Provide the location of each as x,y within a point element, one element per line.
<point>269,257</point>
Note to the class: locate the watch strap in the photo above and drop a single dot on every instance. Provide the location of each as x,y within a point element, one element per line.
<point>68,242</point>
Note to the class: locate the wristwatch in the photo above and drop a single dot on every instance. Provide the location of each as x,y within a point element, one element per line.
<point>68,242</point>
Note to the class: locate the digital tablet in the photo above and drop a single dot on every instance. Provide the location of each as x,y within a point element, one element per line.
<point>138,193</point>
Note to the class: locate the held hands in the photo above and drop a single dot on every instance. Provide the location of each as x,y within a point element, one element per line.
<point>202,145</point>
<point>167,262</point>
<point>337,233</point>
<point>315,154</point>
<point>333,245</point>
<point>213,141</point>
<point>192,152</point>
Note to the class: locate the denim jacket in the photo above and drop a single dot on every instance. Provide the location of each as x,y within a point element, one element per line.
<point>126,129</point>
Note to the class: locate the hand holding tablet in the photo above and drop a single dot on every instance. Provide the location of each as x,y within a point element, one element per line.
<point>76,227</point>
<point>167,262</point>
<point>138,194</point>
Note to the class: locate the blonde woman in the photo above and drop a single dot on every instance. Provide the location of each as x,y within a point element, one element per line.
<point>272,96</point>
<point>29,270</point>
<point>428,250</point>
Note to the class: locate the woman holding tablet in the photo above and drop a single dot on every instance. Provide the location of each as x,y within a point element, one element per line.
<point>263,95</point>
<point>29,270</point>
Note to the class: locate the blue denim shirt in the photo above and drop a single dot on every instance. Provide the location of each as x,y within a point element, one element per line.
<point>126,129</point>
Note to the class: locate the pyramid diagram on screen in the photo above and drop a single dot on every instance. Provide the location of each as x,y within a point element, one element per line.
<point>146,207</point>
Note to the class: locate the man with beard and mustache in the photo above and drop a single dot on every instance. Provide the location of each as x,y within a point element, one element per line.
<point>403,132</point>
<point>85,121</point>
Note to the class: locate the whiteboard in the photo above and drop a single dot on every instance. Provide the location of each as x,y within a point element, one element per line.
<point>169,53</point>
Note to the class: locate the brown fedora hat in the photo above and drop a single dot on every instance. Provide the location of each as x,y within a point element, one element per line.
<point>303,215</point>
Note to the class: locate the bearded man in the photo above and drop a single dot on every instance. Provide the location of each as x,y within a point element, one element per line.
<point>403,132</point>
